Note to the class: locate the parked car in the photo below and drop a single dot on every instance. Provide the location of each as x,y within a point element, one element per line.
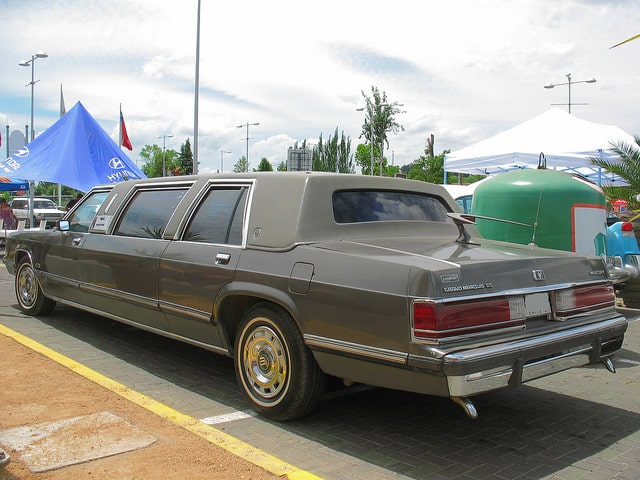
<point>300,276</point>
<point>43,209</point>
<point>623,250</point>
<point>463,194</point>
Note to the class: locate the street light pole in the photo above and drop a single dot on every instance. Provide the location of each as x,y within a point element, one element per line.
<point>372,143</point>
<point>247,139</point>
<point>222,152</point>
<point>569,83</point>
<point>196,96</point>
<point>31,63</point>
<point>164,155</point>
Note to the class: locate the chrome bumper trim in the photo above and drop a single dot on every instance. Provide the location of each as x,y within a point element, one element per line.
<point>355,349</point>
<point>623,269</point>
<point>521,363</point>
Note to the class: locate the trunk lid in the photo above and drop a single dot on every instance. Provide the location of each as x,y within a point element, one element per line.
<point>449,269</point>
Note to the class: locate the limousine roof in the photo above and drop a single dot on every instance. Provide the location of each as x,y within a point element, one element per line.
<point>286,208</point>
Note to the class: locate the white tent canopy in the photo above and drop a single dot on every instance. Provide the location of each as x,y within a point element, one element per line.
<point>562,140</point>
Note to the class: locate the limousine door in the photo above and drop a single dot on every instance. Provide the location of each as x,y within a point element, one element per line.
<point>63,249</point>
<point>194,268</point>
<point>119,271</point>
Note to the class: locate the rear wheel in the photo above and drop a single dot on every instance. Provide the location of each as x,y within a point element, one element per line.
<point>30,297</point>
<point>631,293</point>
<point>276,371</point>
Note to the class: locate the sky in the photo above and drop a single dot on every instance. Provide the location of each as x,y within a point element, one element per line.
<point>462,69</point>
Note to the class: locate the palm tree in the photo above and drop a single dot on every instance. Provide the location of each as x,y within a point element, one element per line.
<point>627,168</point>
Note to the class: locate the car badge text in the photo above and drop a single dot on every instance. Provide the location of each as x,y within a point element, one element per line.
<point>450,278</point>
<point>538,275</point>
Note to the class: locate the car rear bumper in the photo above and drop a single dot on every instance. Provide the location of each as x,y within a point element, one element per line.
<point>622,269</point>
<point>512,364</point>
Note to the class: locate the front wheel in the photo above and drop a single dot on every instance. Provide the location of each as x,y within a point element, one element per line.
<point>30,297</point>
<point>275,369</point>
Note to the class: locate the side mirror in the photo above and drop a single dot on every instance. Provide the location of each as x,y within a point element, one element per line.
<point>63,225</point>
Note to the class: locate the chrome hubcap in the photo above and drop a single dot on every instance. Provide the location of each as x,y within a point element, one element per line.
<point>27,287</point>
<point>264,360</point>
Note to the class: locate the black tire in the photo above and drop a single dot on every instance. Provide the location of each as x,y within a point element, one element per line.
<point>276,371</point>
<point>631,293</point>
<point>29,294</point>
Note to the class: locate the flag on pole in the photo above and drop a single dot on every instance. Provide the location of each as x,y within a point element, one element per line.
<point>124,138</point>
<point>63,110</point>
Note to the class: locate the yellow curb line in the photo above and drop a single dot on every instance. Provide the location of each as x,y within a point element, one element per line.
<point>212,435</point>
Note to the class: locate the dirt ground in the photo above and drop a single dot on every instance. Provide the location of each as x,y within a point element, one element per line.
<point>35,389</point>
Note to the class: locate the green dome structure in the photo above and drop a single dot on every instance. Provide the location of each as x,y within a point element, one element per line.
<point>564,211</point>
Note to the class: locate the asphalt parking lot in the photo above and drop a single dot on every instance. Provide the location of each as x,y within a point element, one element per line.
<point>580,424</point>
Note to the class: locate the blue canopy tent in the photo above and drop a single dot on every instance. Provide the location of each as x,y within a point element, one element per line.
<point>75,151</point>
<point>7,185</point>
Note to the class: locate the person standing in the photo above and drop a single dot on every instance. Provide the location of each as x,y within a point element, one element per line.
<point>73,201</point>
<point>6,214</point>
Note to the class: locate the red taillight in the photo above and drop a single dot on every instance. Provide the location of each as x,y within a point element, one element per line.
<point>433,320</point>
<point>574,301</point>
<point>627,227</point>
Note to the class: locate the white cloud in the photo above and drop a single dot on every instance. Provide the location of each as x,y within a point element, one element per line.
<point>464,69</point>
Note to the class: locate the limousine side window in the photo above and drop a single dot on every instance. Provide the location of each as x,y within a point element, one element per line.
<point>148,213</point>
<point>219,217</point>
<point>81,219</point>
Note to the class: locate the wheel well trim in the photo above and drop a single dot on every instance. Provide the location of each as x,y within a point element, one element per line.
<point>248,295</point>
<point>19,254</point>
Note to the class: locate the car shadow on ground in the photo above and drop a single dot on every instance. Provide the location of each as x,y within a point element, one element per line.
<point>522,433</point>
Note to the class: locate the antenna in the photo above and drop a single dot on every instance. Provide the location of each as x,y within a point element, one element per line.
<point>535,224</point>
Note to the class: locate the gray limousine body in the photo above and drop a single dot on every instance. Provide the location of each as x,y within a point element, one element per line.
<point>300,276</point>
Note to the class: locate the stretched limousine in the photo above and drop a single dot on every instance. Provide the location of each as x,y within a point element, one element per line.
<point>301,276</point>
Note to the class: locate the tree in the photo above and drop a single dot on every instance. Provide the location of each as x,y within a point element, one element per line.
<point>627,168</point>
<point>185,159</point>
<point>363,158</point>
<point>155,157</point>
<point>265,165</point>
<point>334,155</point>
<point>428,169</point>
<point>282,167</point>
<point>241,165</point>
<point>391,170</point>
<point>379,121</point>
<point>48,189</point>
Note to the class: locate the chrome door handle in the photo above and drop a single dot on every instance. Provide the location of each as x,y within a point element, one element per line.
<point>76,241</point>
<point>222,258</point>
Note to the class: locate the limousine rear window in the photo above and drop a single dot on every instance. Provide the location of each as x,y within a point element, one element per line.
<point>354,206</point>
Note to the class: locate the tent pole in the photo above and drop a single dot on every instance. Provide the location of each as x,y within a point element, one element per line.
<point>31,188</point>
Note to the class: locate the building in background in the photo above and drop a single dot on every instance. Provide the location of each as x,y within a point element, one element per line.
<point>299,160</point>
